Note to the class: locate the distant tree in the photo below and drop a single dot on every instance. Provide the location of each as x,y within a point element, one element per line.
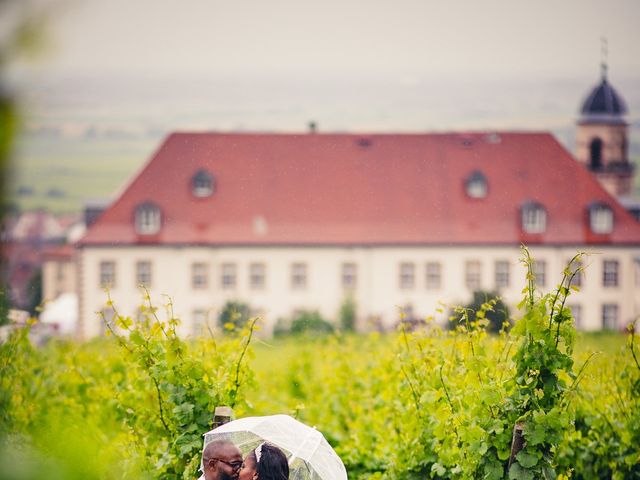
<point>348,314</point>
<point>34,293</point>
<point>234,315</point>
<point>310,322</point>
<point>492,309</point>
<point>5,305</point>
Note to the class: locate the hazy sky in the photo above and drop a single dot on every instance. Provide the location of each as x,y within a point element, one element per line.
<point>404,38</point>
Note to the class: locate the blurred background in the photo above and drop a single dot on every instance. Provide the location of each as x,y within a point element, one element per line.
<point>96,86</point>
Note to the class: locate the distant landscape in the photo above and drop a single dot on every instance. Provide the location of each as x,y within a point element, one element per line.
<point>83,137</point>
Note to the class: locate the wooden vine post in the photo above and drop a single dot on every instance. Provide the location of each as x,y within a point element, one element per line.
<point>221,415</point>
<point>517,442</point>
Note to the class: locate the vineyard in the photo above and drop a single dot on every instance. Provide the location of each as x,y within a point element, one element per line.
<point>535,401</point>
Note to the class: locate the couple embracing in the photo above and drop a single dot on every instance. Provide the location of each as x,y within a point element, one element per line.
<point>222,460</point>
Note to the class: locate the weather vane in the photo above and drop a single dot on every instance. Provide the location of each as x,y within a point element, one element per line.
<point>604,51</point>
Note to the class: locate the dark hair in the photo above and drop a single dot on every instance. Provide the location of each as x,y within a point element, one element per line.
<point>273,464</point>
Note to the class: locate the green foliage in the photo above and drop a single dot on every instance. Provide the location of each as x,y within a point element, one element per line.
<point>136,407</point>
<point>5,305</point>
<point>310,322</point>
<point>485,307</point>
<point>347,314</point>
<point>234,316</point>
<point>34,292</point>
<point>413,405</point>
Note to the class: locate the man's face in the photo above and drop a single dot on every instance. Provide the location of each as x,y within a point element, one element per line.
<point>223,463</point>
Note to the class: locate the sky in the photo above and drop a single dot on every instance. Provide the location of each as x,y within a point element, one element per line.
<point>403,38</point>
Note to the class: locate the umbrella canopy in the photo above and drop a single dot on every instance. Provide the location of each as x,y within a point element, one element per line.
<point>310,455</point>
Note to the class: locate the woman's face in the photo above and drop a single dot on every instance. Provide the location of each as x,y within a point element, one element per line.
<point>248,471</point>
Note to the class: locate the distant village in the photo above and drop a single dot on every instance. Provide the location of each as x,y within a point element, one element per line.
<point>396,225</point>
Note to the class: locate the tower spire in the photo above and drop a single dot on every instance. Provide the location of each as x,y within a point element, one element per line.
<point>603,53</point>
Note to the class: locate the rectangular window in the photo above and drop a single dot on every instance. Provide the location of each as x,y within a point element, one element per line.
<point>299,276</point>
<point>434,275</point>
<point>576,311</point>
<point>636,271</point>
<point>143,273</point>
<point>199,275</point>
<point>473,275</point>
<point>257,276</point>
<point>107,274</point>
<point>349,275</point>
<point>407,275</point>
<point>540,272</point>
<point>610,273</point>
<point>502,274</point>
<point>229,276</point>
<point>199,322</point>
<point>610,316</point>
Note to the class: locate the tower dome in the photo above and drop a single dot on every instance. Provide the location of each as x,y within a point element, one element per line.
<point>603,105</point>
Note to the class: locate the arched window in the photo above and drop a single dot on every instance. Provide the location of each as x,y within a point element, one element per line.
<point>202,184</point>
<point>476,185</point>
<point>148,218</point>
<point>595,154</point>
<point>600,218</point>
<point>533,217</point>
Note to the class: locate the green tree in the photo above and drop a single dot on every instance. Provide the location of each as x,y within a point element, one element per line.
<point>234,315</point>
<point>310,322</point>
<point>489,306</point>
<point>348,314</point>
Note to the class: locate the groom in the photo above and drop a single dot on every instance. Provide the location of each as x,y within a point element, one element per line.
<point>221,460</point>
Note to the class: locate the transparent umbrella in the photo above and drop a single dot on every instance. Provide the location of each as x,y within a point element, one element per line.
<point>310,455</point>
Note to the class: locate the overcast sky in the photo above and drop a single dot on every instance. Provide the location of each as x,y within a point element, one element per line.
<point>402,38</point>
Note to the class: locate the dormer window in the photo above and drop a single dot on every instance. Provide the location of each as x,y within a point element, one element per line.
<point>534,218</point>
<point>148,219</point>
<point>202,184</point>
<point>476,185</point>
<point>600,218</point>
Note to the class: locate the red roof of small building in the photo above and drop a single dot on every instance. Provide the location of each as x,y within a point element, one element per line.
<point>361,189</point>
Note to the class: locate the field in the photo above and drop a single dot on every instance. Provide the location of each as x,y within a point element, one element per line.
<point>410,405</point>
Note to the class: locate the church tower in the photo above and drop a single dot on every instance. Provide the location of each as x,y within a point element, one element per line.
<point>601,138</point>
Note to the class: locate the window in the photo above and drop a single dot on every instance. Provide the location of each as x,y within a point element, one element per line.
<point>502,274</point>
<point>199,275</point>
<point>434,278</point>
<point>257,276</point>
<point>202,184</point>
<point>610,316</point>
<point>407,275</point>
<point>636,271</point>
<point>349,275</point>
<point>540,272</point>
<point>595,154</point>
<point>199,322</point>
<point>600,218</point>
<point>472,275</point>
<point>107,274</point>
<point>476,185</point>
<point>610,273</point>
<point>576,311</point>
<point>229,276</point>
<point>147,219</point>
<point>143,273</point>
<point>534,218</point>
<point>299,276</point>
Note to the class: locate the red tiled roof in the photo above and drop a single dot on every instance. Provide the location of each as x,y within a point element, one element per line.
<point>362,190</point>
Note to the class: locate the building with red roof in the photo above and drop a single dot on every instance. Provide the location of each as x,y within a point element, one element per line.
<point>286,222</point>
